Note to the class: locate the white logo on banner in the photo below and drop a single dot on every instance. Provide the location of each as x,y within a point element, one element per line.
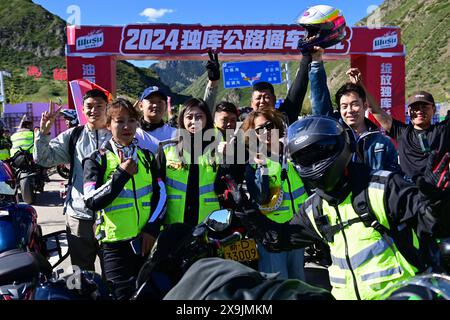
<point>389,40</point>
<point>92,40</point>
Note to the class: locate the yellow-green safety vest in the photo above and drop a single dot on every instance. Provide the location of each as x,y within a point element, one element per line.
<point>22,139</point>
<point>361,254</point>
<point>285,211</point>
<point>125,217</point>
<point>4,154</point>
<point>177,175</point>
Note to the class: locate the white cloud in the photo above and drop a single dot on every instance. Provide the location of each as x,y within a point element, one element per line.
<point>153,14</point>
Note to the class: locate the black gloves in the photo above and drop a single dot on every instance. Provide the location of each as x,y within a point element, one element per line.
<point>434,186</point>
<point>436,177</point>
<point>213,66</point>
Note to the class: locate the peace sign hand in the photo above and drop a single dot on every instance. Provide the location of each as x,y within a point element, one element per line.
<point>48,117</point>
<point>213,66</point>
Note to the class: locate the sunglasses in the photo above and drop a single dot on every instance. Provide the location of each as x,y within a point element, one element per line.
<point>266,127</point>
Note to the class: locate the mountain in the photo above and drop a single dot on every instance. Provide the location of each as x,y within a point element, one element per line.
<point>424,28</point>
<point>32,36</point>
<point>178,75</point>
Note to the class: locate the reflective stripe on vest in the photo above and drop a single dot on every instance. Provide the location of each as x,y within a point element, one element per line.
<point>176,186</point>
<point>371,258</point>
<point>285,212</point>
<point>22,139</point>
<point>121,219</point>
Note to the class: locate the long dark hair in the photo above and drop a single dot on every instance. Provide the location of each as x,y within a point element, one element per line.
<point>199,103</point>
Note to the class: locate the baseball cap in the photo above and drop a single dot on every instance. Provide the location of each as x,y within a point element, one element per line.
<point>153,90</point>
<point>421,96</point>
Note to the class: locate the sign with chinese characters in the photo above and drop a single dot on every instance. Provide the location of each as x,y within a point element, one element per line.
<point>141,39</point>
<point>247,73</point>
<point>192,42</point>
<point>89,72</point>
<point>386,87</point>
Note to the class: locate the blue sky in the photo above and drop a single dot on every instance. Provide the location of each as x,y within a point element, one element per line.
<point>108,12</point>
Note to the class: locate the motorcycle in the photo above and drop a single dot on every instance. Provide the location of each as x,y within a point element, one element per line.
<point>30,177</point>
<point>25,254</point>
<point>175,250</point>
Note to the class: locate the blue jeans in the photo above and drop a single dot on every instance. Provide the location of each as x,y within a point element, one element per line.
<point>290,264</point>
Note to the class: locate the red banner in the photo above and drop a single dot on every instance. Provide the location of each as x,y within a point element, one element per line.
<point>191,41</point>
<point>384,78</point>
<point>93,50</point>
<point>98,70</point>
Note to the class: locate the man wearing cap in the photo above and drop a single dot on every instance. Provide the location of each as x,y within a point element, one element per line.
<point>418,139</point>
<point>153,104</point>
<point>416,142</point>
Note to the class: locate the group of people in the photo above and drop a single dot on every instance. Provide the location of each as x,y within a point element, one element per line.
<point>332,177</point>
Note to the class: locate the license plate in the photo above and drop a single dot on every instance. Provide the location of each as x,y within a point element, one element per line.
<point>242,250</point>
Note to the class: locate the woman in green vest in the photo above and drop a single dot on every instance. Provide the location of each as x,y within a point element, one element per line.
<point>122,187</point>
<point>274,185</point>
<point>188,165</point>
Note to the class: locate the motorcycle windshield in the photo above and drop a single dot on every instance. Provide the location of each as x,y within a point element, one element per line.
<point>8,236</point>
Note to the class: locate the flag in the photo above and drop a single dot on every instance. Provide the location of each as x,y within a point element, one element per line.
<point>78,88</point>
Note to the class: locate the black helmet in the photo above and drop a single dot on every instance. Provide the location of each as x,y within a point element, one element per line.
<point>320,148</point>
<point>325,27</point>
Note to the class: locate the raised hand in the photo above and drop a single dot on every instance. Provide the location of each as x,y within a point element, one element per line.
<point>48,117</point>
<point>213,66</point>
<point>317,53</point>
<point>354,75</point>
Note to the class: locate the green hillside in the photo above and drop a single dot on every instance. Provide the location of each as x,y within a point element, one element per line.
<point>32,36</point>
<point>425,28</point>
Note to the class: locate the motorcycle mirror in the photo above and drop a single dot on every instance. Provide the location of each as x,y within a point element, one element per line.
<point>57,247</point>
<point>218,220</point>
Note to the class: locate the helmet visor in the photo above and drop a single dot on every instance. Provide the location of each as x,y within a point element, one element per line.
<point>316,152</point>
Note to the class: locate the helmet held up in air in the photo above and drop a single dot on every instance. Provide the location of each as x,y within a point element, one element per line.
<point>325,27</point>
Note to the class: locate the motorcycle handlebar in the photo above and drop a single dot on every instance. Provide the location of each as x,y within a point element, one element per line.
<point>225,241</point>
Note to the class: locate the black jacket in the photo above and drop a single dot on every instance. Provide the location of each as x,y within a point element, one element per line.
<point>219,279</point>
<point>406,209</point>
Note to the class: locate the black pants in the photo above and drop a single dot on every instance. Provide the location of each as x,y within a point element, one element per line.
<point>83,251</point>
<point>121,267</point>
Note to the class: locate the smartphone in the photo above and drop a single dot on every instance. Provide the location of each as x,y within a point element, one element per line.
<point>423,141</point>
<point>136,245</point>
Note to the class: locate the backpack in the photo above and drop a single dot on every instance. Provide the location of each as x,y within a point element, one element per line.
<point>74,136</point>
<point>366,215</point>
<point>361,205</point>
